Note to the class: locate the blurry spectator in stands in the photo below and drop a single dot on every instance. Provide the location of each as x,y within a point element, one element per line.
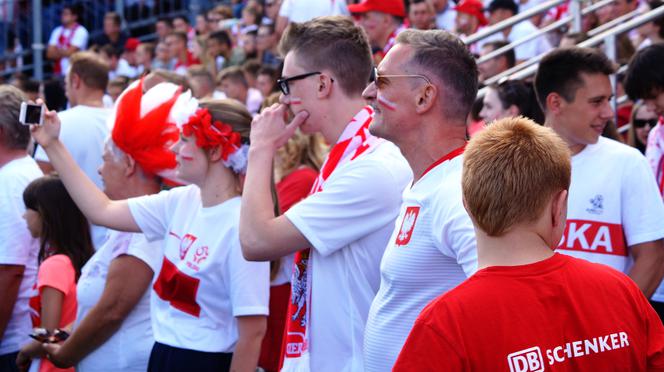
<point>163,28</point>
<point>250,69</point>
<point>201,82</point>
<point>234,85</point>
<point>571,39</point>
<point>202,26</point>
<point>266,81</point>
<point>445,14</point>
<point>653,31</point>
<point>18,250</point>
<point>421,15</point>
<point>116,86</point>
<point>113,33</point>
<point>271,12</point>
<point>247,46</point>
<point>643,120</point>
<point>117,66</point>
<point>220,53</point>
<point>162,57</point>
<point>54,95</point>
<point>382,20</point>
<point>619,8</point>
<point>304,10</point>
<point>145,53</point>
<point>84,128</point>
<point>498,64</point>
<point>469,17</point>
<point>181,24</point>
<point>500,10</point>
<point>251,18</point>
<point>510,99</point>
<point>177,46</point>
<point>129,54</point>
<point>218,14</point>
<point>28,86</point>
<point>266,45</point>
<point>66,39</point>
<point>159,76</point>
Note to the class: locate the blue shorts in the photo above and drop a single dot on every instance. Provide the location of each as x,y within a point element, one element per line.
<point>164,358</point>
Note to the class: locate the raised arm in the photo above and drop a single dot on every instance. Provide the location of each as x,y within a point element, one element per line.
<point>94,204</point>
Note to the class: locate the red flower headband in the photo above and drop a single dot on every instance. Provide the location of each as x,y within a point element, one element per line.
<point>211,134</point>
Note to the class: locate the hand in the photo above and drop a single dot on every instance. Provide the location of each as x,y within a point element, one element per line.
<point>56,356</point>
<point>23,362</point>
<point>269,128</point>
<point>47,133</point>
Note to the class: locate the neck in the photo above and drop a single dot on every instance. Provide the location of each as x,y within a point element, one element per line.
<point>514,248</point>
<point>431,142</point>
<point>574,148</point>
<point>220,184</point>
<point>113,36</point>
<point>91,98</point>
<point>341,112</point>
<point>6,155</point>
<point>139,185</point>
<point>243,96</point>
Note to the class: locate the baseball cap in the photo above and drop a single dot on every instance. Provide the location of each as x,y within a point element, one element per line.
<point>131,44</point>
<point>392,7</point>
<point>474,8</point>
<point>503,4</point>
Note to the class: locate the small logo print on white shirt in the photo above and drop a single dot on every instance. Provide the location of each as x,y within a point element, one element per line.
<point>596,205</point>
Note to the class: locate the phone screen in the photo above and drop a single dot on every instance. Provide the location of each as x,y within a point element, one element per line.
<point>33,114</point>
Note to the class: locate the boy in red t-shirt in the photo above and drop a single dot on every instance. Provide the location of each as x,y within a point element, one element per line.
<point>527,308</point>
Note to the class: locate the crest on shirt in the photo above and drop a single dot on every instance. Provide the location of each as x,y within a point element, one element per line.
<point>596,205</point>
<point>299,292</point>
<point>185,243</point>
<point>201,254</point>
<point>407,225</point>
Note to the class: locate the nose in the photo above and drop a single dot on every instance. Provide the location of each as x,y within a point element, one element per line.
<point>369,93</point>
<point>607,111</point>
<point>175,148</point>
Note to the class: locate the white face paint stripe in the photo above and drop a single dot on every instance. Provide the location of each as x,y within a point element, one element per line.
<point>387,103</point>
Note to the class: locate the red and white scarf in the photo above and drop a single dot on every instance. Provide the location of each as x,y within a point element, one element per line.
<point>64,42</point>
<point>655,153</point>
<point>354,142</point>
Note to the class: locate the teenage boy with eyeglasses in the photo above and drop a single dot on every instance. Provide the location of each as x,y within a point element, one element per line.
<point>349,215</point>
<point>422,93</point>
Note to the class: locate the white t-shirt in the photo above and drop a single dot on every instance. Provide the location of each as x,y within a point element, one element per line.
<point>431,251</point>
<point>305,10</point>
<point>204,282</point>
<point>528,49</point>
<point>17,247</point>
<point>123,69</point>
<point>136,329</point>
<point>83,132</point>
<point>446,19</point>
<point>63,38</point>
<point>348,225</point>
<point>254,100</point>
<point>613,204</point>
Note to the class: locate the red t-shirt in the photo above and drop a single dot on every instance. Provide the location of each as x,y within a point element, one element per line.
<point>295,187</point>
<point>560,314</point>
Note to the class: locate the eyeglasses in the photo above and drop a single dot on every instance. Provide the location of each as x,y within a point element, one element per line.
<point>283,82</point>
<point>640,123</point>
<point>381,80</point>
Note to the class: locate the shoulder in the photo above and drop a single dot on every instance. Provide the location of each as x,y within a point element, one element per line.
<point>385,161</point>
<point>617,150</point>
<point>56,262</point>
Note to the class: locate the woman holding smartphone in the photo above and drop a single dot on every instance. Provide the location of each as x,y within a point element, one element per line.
<point>209,304</point>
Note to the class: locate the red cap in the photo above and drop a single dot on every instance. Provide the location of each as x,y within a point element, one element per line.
<point>392,7</point>
<point>131,44</point>
<point>473,7</point>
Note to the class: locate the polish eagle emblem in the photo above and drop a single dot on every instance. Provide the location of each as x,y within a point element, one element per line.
<point>407,225</point>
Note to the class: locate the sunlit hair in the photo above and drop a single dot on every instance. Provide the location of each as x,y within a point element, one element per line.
<point>511,170</point>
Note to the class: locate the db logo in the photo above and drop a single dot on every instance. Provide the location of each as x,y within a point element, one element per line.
<point>528,360</point>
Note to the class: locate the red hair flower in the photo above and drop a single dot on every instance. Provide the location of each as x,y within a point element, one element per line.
<point>211,134</point>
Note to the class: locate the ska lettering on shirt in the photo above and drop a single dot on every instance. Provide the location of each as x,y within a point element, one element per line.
<point>613,203</point>
<point>204,282</point>
<point>559,314</point>
<point>348,219</point>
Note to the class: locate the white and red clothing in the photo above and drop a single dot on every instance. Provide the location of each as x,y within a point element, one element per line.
<point>204,282</point>
<point>391,41</point>
<point>655,153</point>
<point>17,247</point>
<point>180,67</point>
<point>431,251</point>
<point>559,314</point>
<point>65,38</point>
<point>613,204</point>
<point>136,329</point>
<point>348,220</point>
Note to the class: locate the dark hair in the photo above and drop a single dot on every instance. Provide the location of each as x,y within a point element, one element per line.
<point>180,35</point>
<point>54,95</point>
<point>447,58</point>
<point>222,37</point>
<point>64,228</point>
<point>510,5</point>
<point>645,75</point>
<point>110,51</point>
<point>560,71</point>
<point>14,134</point>
<point>115,17</point>
<point>234,74</point>
<point>251,67</point>
<point>75,9</point>
<point>266,70</point>
<point>333,43</point>
<point>167,20</point>
<point>522,95</point>
<point>510,56</point>
<point>659,21</point>
<point>184,18</point>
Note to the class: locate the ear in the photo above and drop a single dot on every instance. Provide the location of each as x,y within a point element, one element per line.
<point>75,80</point>
<point>426,99</point>
<point>214,154</point>
<point>559,210</point>
<point>324,86</point>
<point>130,166</point>
<point>554,103</point>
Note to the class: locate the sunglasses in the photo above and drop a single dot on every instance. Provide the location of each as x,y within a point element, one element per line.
<point>382,80</point>
<point>640,123</point>
<point>282,82</point>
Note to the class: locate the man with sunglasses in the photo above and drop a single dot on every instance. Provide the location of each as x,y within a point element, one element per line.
<point>348,216</point>
<point>422,93</point>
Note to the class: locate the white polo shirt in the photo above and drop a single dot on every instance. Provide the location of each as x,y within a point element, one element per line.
<point>613,203</point>
<point>431,251</point>
<point>204,282</point>
<point>348,224</point>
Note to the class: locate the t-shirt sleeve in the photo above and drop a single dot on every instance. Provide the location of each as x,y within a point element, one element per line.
<point>55,34</point>
<point>427,349</point>
<point>285,9</point>
<point>643,210</point>
<point>80,38</point>
<point>16,243</point>
<point>354,202</point>
<point>56,272</point>
<point>249,283</point>
<point>149,252</point>
<point>152,213</point>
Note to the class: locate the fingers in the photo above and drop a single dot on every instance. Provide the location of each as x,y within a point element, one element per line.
<point>297,122</point>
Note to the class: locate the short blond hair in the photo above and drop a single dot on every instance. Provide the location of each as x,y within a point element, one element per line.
<point>511,170</point>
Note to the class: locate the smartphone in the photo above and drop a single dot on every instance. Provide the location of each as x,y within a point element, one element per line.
<point>31,114</point>
<point>44,336</point>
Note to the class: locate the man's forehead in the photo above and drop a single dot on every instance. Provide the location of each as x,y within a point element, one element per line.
<point>396,57</point>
